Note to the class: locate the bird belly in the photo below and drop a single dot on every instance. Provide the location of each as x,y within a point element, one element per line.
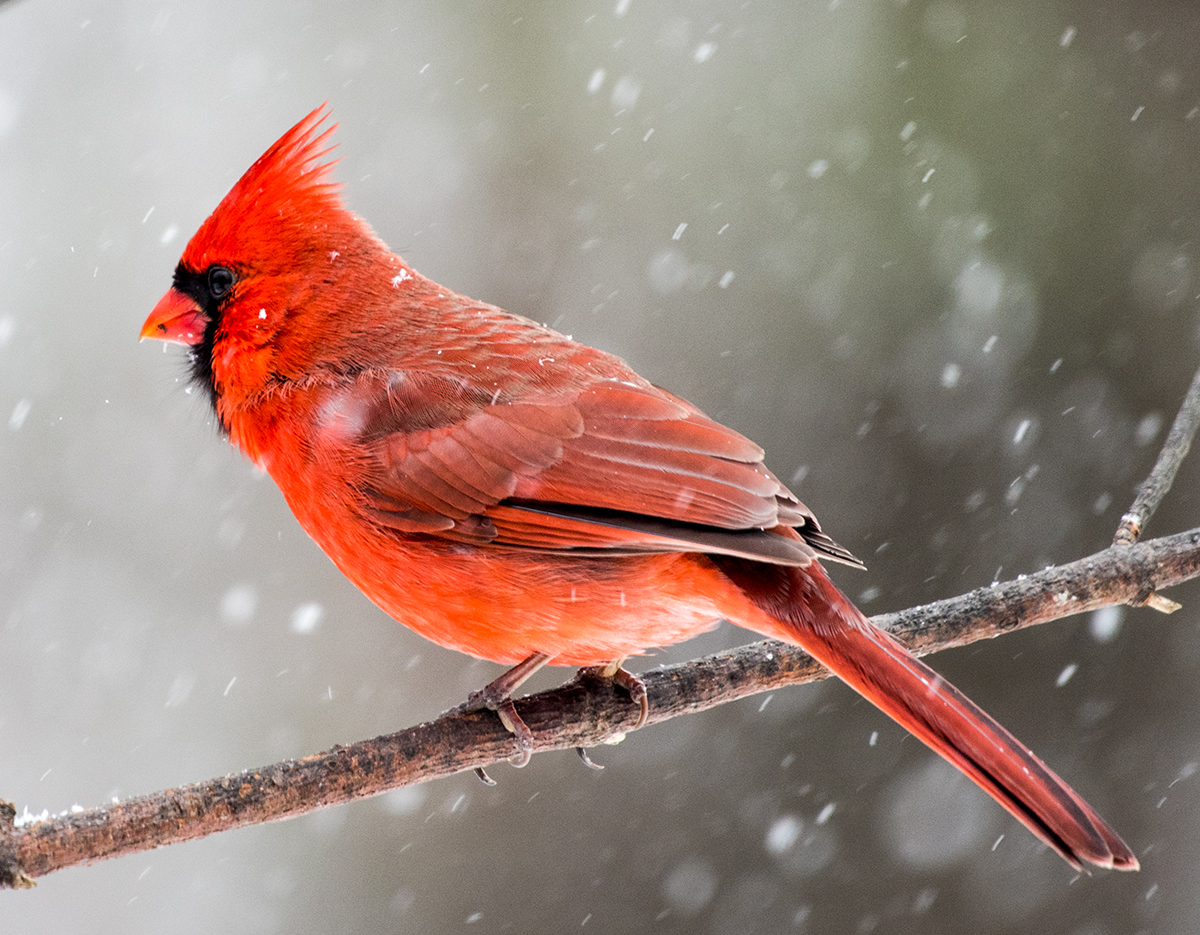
<point>505,603</point>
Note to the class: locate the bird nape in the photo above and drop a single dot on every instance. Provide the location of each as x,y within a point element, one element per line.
<point>513,494</point>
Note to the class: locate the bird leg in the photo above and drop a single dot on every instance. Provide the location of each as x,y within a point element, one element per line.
<point>497,696</point>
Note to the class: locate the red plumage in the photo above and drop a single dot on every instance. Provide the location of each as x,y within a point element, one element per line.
<point>507,492</point>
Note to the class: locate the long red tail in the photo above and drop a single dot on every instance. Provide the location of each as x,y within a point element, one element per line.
<point>823,622</point>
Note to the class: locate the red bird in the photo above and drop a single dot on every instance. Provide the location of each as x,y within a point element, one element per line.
<point>509,493</point>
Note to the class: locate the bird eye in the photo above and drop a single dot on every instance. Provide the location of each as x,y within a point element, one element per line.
<point>220,281</point>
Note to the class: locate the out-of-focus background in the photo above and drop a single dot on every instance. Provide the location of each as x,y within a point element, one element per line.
<point>939,258</point>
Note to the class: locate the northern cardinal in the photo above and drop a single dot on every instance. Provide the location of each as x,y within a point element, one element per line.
<point>510,493</point>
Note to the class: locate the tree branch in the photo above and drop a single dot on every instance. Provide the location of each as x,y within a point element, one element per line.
<point>584,712</point>
<point>589,710</point>
<point>1155,487</point>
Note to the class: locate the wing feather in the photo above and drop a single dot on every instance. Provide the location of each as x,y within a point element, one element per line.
<point>589,463</point>
<point>548,526</point>
<point>590,481</point>
<point>475,472</point>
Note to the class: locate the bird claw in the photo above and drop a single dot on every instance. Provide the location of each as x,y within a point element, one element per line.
<point>484,777</point>
<point>587,760</point>
<point>637,692</point>
<point>626,680</point>
<point>507,712</point>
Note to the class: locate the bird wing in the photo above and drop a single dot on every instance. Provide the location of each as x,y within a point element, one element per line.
<point>610,465</point>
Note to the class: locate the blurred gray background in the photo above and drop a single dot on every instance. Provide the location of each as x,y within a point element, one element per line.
<point>938,258</point>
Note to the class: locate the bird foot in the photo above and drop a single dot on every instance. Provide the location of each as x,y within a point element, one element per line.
<point>497,696</point>
<point>637,692</point>
<point>626,680</point>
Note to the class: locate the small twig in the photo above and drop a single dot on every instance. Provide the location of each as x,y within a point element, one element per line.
<point>1155,487</point>
<point>582,713</point>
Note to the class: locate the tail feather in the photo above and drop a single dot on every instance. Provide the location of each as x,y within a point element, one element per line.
<point>939,714</point>
<point>825,624</point>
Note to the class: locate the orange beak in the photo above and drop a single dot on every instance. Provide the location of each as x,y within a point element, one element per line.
<point>177,319</point>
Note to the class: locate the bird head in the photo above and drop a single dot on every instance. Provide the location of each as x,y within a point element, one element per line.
<point>260,264</point>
